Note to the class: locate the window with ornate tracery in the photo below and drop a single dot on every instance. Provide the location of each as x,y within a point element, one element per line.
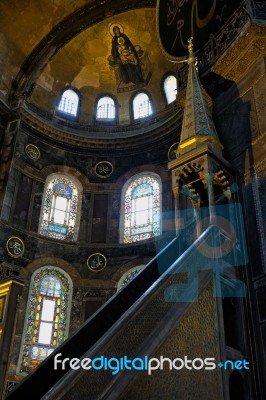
<point>129,276</point>
<point>106,110</point>
<point>141,106</point>
<point>170,88</point>
<point>141,213</point>
<point>47,316</point>
<point>60,207</point>
<point>69,103</point>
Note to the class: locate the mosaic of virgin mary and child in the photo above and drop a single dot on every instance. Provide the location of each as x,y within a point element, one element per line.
<point>125,58</point>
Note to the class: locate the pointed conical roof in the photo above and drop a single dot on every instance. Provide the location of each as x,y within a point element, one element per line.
<point>198,126</point>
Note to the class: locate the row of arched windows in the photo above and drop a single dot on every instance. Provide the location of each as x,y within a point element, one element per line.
<point>50,292</point>
<point>106,106</point>
<point>140,208</point>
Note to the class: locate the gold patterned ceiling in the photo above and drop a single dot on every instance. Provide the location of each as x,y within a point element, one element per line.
<point>84,61</point>
<point>48,45</point>
<point>24,23</point>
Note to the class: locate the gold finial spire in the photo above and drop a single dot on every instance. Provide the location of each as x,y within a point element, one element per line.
<point>198,126</point>
<point>191,58</point>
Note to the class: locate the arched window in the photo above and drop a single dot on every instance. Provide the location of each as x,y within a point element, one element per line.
<point>141,106</point>
<point>170,88</point>
<point>60,208</point>
<point>129,276</point>
<point>69,103</point>
<point>47,316</point>
<point>106,110</point>
<point>141,212</point>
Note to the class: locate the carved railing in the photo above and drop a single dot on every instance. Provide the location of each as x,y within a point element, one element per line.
<point>217,44</point>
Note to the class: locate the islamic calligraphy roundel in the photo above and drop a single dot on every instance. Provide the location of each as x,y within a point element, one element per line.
<point>96,262</point>
<point>179,20</point>
<point>104,169</point>
<point>32,152</point>
<point>15,247</point>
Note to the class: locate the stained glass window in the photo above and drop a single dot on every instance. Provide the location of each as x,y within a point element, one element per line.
<point>170,88</point>
<point>105,109</point>
<point>141,106</point>
<point>48,310</point>
<point>142,208</point>
<point>69,102</point>
<point>59,209</point>
<point>129,276</point>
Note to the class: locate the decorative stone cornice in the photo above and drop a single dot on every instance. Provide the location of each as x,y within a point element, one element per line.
<point>146,131</point>
<point>246,50</point>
